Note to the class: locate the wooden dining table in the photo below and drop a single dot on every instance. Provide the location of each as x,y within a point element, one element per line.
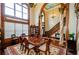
<point>36,42</point>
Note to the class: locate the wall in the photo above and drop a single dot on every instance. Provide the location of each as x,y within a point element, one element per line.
<point>72,18</point>
<point>51,22</point>
<point>32,14</point>
<point>37,12</point>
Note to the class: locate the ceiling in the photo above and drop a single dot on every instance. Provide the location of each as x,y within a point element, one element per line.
<point>52,9</point>
<point>51,5</point>
<point>32,4</point>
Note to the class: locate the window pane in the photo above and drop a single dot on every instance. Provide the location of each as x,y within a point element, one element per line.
<point>9,11</point>
<point>18,14</point>
<point>25,10</point>
<point>25,16</point>
<point>18,29</point>
<point>11,5</point>
<point>18,7</point>
<point>25,29</point>
<point>9,29</point>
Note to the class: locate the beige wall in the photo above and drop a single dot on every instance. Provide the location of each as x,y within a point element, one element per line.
<point>51,22</point>
<point>72,18</point>
<point>37,12</point>
<point>34,14</point>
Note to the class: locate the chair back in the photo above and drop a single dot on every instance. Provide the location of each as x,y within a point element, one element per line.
<point>13,36</point>
<point>26,42</point>
<point>23,35</point>
<point>21,40</point>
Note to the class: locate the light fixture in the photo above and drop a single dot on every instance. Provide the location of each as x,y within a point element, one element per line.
<point>32,4</point>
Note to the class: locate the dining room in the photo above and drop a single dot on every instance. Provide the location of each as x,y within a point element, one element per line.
<point>39,28</point>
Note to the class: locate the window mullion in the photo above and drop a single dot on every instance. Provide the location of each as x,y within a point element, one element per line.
<point>14,10</point>
<point>22,12</point>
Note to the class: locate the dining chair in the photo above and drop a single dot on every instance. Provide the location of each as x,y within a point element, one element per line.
<point>44,48</point>
<point>32,51</point>
<point>13,36</point>
<point>26,46</point>
<point>32,48</point>
<point>21,40</point>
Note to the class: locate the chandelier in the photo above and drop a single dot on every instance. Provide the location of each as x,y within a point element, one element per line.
<point>32,4</point>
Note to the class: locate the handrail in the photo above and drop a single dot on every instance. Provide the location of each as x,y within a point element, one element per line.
<point>53,30</point>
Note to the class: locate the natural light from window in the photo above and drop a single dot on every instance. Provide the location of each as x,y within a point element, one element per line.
<point>16,10</point>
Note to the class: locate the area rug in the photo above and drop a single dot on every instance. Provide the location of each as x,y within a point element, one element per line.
<point>15,50</point>
<point>12,50</point>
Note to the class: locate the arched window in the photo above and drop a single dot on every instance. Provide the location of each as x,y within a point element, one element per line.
<point>17,10</point>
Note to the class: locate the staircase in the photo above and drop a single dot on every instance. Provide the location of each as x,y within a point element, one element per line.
<point>53,30</point>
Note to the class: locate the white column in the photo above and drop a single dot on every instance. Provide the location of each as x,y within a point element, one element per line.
<point>61,26</point>
<point>40,26</point>
<point>61,30</point>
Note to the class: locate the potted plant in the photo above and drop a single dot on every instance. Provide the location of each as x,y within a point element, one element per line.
<point>71,36</point>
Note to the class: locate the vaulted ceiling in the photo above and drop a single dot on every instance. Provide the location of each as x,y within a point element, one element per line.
<point>51,5</point>
<point>52,9</point>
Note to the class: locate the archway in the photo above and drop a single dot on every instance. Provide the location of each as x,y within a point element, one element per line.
<point>64,20</point>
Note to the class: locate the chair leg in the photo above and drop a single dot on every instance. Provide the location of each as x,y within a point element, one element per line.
<point>20,46</point>
<point>25,50</point>
<point>47,53</point>
<point>28,52</point>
